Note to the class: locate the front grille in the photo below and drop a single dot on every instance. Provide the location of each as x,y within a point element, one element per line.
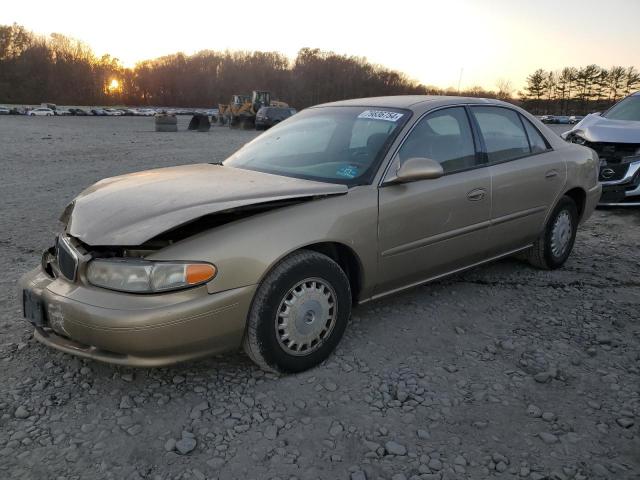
<point>613,171</point>
<point>67,259</point>
<point>614,152</point>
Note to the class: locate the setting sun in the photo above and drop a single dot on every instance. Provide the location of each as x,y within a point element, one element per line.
<point>114,86</point>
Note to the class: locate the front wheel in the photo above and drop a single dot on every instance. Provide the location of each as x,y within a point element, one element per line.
<point>299,313</point>
<point>553,247</point>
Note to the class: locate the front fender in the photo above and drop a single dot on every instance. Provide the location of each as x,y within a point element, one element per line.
<point>245,250</point>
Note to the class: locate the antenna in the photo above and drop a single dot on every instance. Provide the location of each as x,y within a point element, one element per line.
<point>460,80</point>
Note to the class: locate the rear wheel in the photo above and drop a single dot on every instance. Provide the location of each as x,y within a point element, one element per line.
<point>299,313</point>
<point>553,247</point>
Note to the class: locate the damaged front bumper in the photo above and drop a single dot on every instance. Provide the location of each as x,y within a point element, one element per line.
<point>621,183</point>
<point>141,330</point>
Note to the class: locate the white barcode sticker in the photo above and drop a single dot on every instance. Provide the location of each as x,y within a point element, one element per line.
<point>381,115</point>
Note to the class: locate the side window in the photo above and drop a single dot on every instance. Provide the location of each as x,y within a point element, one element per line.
<point>536,140</point>
<point>444,136</point>
<point>503,133</point>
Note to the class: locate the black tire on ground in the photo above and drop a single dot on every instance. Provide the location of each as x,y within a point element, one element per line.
<point>261,340</point>
<point>199,122</point>
<point>543,254</point>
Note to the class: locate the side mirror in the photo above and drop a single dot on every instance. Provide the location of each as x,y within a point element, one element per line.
<point>416,168</point>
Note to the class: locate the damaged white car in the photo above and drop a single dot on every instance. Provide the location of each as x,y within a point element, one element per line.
<point>615,136</point>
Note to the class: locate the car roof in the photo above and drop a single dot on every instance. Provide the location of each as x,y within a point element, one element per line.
<point>416,103</point>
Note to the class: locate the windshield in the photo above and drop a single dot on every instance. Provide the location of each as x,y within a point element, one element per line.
<point>627,109</point>
<point>328,144</point>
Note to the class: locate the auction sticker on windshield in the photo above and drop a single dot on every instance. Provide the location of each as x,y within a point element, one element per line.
<point>381,115</point>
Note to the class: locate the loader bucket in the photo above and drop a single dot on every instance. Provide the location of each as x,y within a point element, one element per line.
<point>200,123</point>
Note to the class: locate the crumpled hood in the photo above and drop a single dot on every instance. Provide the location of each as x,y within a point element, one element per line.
<point>130,209</point>
<point>595,128</point>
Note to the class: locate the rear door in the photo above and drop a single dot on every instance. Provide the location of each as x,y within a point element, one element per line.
<point>430,227</point>
<point>527,176</point>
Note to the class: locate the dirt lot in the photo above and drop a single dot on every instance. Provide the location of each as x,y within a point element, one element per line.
<point>503,371</point>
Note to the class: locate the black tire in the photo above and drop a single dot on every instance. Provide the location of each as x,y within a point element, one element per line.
<point>541,254</point>
<point>261,340</point>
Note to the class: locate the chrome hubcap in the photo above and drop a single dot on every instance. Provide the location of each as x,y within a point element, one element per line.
<point>561,234</point>
<point>306,316</point>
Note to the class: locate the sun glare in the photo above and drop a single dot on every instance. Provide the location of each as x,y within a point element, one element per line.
<point>114,86</point>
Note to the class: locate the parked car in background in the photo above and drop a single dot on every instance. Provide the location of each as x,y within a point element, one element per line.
<point>573,119</point>
<point>146,112</point>
<point>40,112</point>
<point>267,117</point>
<point>78,112</point>
<point>99,112</point>
<point>4,111</point>
<point>546,118</point>
<point>60,112</point>
<point>359,199</point>
<point>113,112</point>
<point>615,136</point>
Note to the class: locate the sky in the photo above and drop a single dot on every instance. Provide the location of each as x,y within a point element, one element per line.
<point>441,43</point>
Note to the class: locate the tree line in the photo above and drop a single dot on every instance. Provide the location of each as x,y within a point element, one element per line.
<point>59,69</point>
<point>578,90</point>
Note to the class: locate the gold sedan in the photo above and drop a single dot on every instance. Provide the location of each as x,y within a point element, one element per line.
<point>338,205</point>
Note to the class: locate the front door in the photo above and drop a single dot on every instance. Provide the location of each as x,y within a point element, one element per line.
<point>431,227</point>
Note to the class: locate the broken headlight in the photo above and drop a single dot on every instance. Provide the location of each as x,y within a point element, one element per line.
<point>575,138</point>
<point>142,276</point>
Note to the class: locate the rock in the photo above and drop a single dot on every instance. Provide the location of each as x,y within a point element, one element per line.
<point>534,411</point>
<point>271,432</point>
<point>335,429</point>
<point>548,438</point>
<point>399,476</point>
<point>498,457</point>
<point>125,402</point>
<point>186,445</point>
<point>170,445</point>
<point>624,422</point>
<point>423,434</point>
<point>359,475</point>
<point>548,416</point>
<point>435,464</point>
<point>460,460</point>
<point>507,345</point>
<point>216,462</point>
<point>178,379</point>
<point>21,412</point>
<point>542,377</point>
<point>459,330</point>
<point>394,448</point>
<point>330,386</point>
<point>127,377</point>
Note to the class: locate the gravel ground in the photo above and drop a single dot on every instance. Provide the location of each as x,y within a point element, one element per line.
<point>503,371</point>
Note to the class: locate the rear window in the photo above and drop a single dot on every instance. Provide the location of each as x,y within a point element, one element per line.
<point>536,140</point>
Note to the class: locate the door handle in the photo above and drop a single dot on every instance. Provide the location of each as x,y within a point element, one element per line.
<point>551,174</point>
<point>476,194</point>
